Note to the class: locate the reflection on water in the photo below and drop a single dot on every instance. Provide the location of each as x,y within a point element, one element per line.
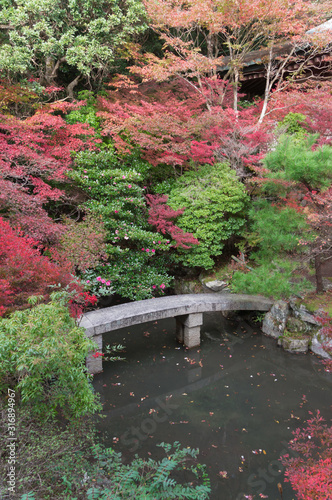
<point>236,398</point>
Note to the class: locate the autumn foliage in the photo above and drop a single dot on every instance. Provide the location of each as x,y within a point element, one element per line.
<point>35,154</point>
<point>172,125</point>
<point>161,216</point>
<point>24,271</point>
<point>310,472</point>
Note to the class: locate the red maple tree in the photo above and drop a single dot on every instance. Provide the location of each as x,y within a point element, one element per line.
<point>24,271</point>
<point>162,217</point>
<point>35,154</point>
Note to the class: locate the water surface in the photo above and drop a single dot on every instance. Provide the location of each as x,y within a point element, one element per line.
<point>236,398</point>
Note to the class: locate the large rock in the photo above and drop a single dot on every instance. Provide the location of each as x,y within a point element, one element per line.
<point>295,345</point>
<point>302,313</point>
<point>216,285</point>
<point>274,322</point>
<point>317,345</point>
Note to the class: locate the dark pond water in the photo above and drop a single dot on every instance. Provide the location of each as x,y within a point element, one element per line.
<point>236,398</point>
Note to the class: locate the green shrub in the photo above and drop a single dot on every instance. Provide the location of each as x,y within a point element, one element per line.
<point>293,124</point>
<point>294,159</point>
<point>42,357</point>
<point>136,275</point>
<point>47,455</point>
<point>271,279</point>
<point>136,264</point>
<point>151,479</point>
<point>86,114</point>
<point>214,201</point>
<point>274,230</point>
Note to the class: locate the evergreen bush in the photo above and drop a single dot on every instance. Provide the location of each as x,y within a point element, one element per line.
<point>298,159</point>
<point>215,202</point>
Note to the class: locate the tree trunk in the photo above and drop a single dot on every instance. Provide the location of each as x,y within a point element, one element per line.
<point>319,277</point>
<point>49,67</point>
<point>71,86</point>
<point>235,90</point>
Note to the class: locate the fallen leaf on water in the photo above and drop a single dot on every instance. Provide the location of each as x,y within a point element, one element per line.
<point>223,474</point>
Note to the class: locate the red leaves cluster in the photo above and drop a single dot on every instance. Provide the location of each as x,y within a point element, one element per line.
<point>161,216</point>
<point>24,271</point>
<point>80,302</point>
<point>310,473</point>
<point>164,124</point>
<point>312,99</point>
<point>34,153</point>
<point>173,125</point>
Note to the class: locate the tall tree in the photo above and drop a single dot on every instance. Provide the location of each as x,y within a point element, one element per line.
<point>41,36</point>
<point>198,34</point>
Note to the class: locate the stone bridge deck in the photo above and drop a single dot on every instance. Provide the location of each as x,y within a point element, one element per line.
<point>188,310</point>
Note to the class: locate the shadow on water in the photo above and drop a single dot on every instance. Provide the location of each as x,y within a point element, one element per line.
<point>236,398</point>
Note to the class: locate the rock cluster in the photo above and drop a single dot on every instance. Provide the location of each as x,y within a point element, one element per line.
<point>296,328</point>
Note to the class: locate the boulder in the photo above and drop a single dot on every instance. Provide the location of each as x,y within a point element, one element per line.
<point>317,345</point>
<point>302,313</point>
<point>274,322</point>
<point>216,285</point>
<point>295,345</point>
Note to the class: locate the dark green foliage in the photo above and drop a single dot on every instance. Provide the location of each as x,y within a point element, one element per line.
<point>136,275</point>
<point>214,201</point>
<point>274,230</point>
<point>295,159</point>
<point>151,479</point>
<point>137,268</point>
<point>274,235</point>
<point>47,455</point>
<point>274,279</point>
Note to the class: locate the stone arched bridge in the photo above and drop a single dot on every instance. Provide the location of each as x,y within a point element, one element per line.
<point>187,309</point>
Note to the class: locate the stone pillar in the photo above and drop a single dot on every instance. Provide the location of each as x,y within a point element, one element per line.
<point>188,329</point>
<point>95,365</point>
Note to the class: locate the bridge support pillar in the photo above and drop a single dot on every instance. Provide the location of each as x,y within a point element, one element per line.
<point>95,365</point>
<point>188,329</point>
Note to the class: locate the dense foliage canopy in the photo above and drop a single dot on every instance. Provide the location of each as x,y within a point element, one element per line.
<point>128,163</point>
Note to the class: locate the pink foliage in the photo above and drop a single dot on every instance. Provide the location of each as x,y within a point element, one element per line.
<point>312,99</point>
<point>173,125</point>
